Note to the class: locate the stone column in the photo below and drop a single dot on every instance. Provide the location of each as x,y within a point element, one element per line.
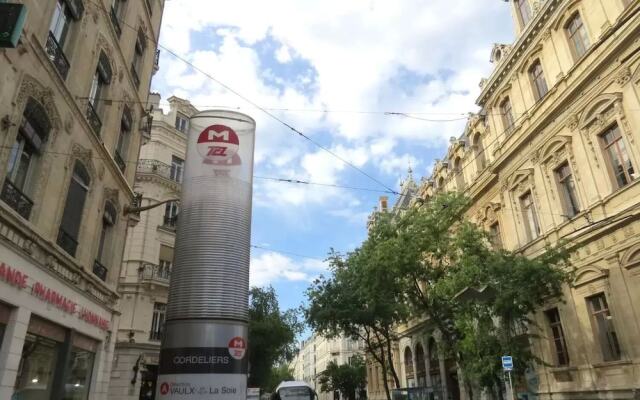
<point>427,364</point>
<point>443,376</point>
<point>11,351</point>
<point>414,362</point>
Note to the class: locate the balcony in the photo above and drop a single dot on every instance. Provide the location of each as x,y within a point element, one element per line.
<point>100,270</point>
<point>136,77</point>
<point>57,57</point>
<point>155,336</point>
<point>93,119</point>
<point>67,242</point>
<point>118,159</point>
<point>115,22</point>
<point>15,199</point>
<point>147,166</point>
<point>156,273</point>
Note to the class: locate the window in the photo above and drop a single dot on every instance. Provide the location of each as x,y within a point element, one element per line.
<point>495,235</point>
<point>157,323</point>
<point>64,14</point>
<point>524,11</point>
<point>23,157</point>
<point>122,147</point>
<point>617,156</point>
<point>182,123</point>
<point>602,323</point>
<point>507,114</point>
<point>529,216</point>
<point>117,13</point>
<point>567,188</point>
<point>74,206</point>
<point>171,210</point>
<point>177,168</point>
<point>537,79</point>
<point>479,152</point>
<point>164,269</point>
<point>99,83</point>
<point>457,171</point>
<point>577,34</point>
<point>138,57</point>
<point>104,244</point>
<point>557,337</point>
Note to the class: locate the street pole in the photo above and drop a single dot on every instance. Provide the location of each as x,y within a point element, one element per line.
<point>511,392</point>
<point>204,349</point>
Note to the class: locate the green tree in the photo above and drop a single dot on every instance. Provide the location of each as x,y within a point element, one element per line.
<point>272,336</point>
<point>278,374</point>
<point>362,299</point>
<point>348,379</point>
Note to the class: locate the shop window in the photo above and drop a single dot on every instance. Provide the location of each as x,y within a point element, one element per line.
<point>5,313</point>
<point>177,169</point>
<point>507,114</point>
<point>79,368</point>
<point>617,156</point>
<point>182,123</point>
<point>24,156</point>
<point>536,74</point>
<point>121,155</point>
<point>603,327</point>
<point>73,209</point>
<point>529,216</point>
<point>157,322</point>
<point>524,11</point>
<point>577,34</point>
<point>557,337</point>
<point>568,192</point>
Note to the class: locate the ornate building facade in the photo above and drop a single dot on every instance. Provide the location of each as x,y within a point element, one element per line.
<point>554,155</point>
<point>148,255</point>
<point>71,123</point>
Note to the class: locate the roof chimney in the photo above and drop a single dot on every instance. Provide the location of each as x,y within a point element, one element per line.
<point>383,204</point>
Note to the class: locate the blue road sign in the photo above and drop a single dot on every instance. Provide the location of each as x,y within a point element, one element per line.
<point>507,363</point>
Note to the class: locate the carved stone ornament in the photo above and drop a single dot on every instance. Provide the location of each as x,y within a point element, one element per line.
<point>624,76</point>
<point>103,45</point>
<point>30,87</point>
<point>112,195</point>
<point>546,34</point>
<point>85,156</point>
<point>572,122</point>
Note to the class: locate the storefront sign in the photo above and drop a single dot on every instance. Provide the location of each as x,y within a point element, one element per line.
<point>19,279</point>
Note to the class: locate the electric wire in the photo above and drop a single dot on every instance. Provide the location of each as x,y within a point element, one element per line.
<point>289,253</point>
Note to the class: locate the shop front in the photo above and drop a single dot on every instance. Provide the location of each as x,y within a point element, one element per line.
<point>54,337</point>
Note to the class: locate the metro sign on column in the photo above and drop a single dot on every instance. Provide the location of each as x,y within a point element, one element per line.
<point>218,145</point>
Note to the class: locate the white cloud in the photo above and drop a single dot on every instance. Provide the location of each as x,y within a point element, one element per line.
<point>283,55</point>
<point>270,267</point>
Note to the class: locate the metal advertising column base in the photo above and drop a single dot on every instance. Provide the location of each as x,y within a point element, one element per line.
<point>203,360</point>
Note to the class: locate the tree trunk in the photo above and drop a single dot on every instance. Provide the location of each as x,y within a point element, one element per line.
<point>385,374</point>
<point>388,344</point>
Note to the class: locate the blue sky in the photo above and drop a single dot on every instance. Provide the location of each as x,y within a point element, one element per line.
<point>357,59</point>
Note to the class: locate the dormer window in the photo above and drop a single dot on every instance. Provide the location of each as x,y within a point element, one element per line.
<point>524,11</point>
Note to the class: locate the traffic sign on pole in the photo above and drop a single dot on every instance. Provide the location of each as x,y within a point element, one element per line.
<point>507,363</point>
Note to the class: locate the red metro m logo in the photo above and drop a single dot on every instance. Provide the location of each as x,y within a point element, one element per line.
<point>219,144</point>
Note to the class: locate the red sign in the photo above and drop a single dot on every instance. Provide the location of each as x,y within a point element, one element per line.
<point>12,276</point>
<point>237,347</point>
<point>219,144</point>
<point>164,388</point>
<point>17,278</point>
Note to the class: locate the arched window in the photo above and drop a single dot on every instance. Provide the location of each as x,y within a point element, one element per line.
<point>97,92</point>
<point>507,114</point>
<point>434,363</point>
<point>23,157</point>
<point>440,183</point>
<point>109,218</point>
<point>457,171</point>
<point>421,374</point>
<point>73,208</point>
<point>536,74</point>
<point>577,34</point>
<point>524,11</point>
<point>408,364</point>
<point>478,150</point>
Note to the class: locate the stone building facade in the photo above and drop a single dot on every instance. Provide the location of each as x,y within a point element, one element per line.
<point>71,123</point>
<point>553,155</point>
<point>148,255</point>
<point>316,353</point>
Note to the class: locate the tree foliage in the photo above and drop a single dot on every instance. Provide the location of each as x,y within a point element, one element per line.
<point>348,379</point>
<point>272,335</point>
<point>421,264</point>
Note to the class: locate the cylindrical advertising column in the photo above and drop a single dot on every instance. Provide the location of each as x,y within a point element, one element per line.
<point>203,354</point>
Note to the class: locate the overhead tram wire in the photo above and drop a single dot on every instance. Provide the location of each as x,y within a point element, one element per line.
<point>249,101</point>
<point>296,181</point>
<point>286,252</point>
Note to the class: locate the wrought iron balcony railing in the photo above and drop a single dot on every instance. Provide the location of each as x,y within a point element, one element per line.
<point>16,199</point>
<point>115,22</point>
<point>57,57</point>
<point>93,119</point>
<point>67,242</point>
<point>156,336</point>
<point>170,221</point>
<point>118,159</point>
<point>153,272</point>
<point>100,270</point>
<point>148,166</point>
